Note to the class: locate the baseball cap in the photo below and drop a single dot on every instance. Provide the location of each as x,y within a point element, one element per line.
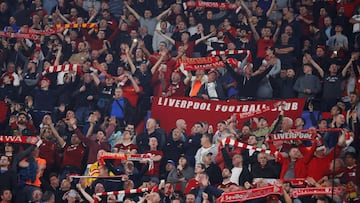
<point>155,180</point>
<point>171,162</point>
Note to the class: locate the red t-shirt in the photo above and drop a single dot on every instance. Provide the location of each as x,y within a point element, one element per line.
<point>352,175</point>
<point>262,44</point>
<point>176,90</point>
<point>232,31</point>
<point>322,165</point>
<point>192,183</point>
<point>305,26</point>
<point>122,148</point>
<point>190,47</point>
<point>348,7</point>
<point>73,155</point>
<point>156,83</point>
<point>130,94</point>
<point>126,149</point>
<point>156,163</point>
<point>48,151</point>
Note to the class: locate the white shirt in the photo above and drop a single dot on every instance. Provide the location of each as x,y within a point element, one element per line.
<point>356,26</point>
<point>211,88</point>
<point>236,171</point>
<point>204,151</point>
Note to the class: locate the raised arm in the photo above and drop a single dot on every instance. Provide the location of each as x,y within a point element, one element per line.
<point>137,16</point>
<point>133,45</point>
<point>133,82</point>
<point>82,137</point>
<point>233,74</point>
<point>92,122</point>
<point>203,38</point>
<point>62,17</point>
<point>352,20</point>
<point>141,45</point>
<point>96,78</point>
<point>92,17</point>
<point>277,31</point>
<point>272,6</point>
<point>161,15</point>
<point>253,30</point>
<point>247,10</point>
<point>57,136</point>
<point>48,121</point>
<point>347,66</point>
<point>130,61</point>
<point>85,194</point>
<point>316,66</point>
<point>58,55</point>
<point>157,64</point>
<point>171,40</point>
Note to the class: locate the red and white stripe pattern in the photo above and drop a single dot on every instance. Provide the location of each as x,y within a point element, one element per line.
<point>252,114</point>
<point>348,135</point>
<point>19,35</point>
<point>19,139</point>
<point>231,142</point>
<point>126,192</point>
<point>29,30</point>
<point>97,177</point>
<point>299,192</point>
<point>298,182</point>
<point>206,63</point>
<point>243,195</point>
<point>215,65</point>
<point>62,68</point>
<point>229,52</point>
<point>200,60</point>
<point>204,4</point>
<point>130,157</point>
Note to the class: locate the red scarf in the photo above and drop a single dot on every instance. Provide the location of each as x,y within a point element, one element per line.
<point>75,25</point>
<point>204,4</point>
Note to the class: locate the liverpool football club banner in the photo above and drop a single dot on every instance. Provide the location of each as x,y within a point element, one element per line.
<point>167,110</point>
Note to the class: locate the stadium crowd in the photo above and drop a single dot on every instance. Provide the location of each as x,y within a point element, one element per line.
<point>85,90</point>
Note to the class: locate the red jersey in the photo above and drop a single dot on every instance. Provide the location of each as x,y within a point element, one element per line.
<point>191,184</point>
<point>130,94</point>
<point>304,26</point>
<point>232,31</point>
<point>190,47</point>
<point>73,155</point>
<point>126,149</point>
<point>122,148</point>
<point>352,174</point>
<point>348,6</point>
<point>176,90</point>
<point>322,165</point>
<point>156,163</point>
<point>300,167</point>
<point>49,152</point>
<point>169,66</point>
<point>262,44</point>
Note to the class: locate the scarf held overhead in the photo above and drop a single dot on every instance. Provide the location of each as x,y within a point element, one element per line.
<point>204,4</point>
<point>19,139</point>
<point>75,25</point>
<point>130,157</point>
